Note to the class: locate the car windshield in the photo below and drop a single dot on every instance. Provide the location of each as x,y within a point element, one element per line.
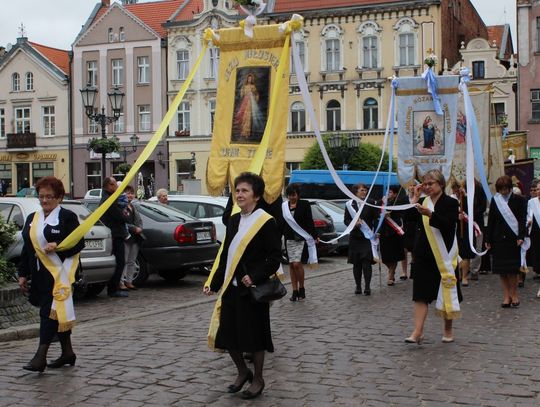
<point>318,213</point>
<point>162,213</point>
<point>331,206</point>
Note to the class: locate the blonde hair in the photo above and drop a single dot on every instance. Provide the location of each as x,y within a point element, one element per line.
<point>437,176</point>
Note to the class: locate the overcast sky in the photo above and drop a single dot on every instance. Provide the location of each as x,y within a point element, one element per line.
<point>56,23</point>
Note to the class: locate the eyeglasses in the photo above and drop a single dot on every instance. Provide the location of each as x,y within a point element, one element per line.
<point>46,197</point>
<point>430,183</point>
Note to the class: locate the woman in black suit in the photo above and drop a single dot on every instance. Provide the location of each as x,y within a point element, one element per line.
<point>244,325</point>
<point>505,240</point>
<point>300,209</point>
<point>425,272</point>
<point>57,224</point>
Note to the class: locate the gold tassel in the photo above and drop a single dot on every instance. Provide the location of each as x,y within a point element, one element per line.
<point>448,315</point>
<point>67,326</point>
<point>53,315</point>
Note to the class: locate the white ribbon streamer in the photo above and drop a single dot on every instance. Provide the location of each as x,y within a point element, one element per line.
<point>312,248</point>
<point>251,19</point>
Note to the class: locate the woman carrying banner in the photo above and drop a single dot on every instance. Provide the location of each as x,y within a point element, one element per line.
<point>299,229</point>
<point>505,234</point>
<point>361,239</point>
<point>434,270</point>
<point>52,272</point>
<point>251,254</point>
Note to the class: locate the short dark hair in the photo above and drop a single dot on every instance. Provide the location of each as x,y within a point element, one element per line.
<point>356,187</point>
<point>108,181</point>
<point>293,189</point>
<point>256,182</point>
<point>395,189</point>
<point>129,189</point>
<point>52,182</point>
<point>503,182</point>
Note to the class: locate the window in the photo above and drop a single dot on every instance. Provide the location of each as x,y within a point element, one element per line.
<point>110,35</point>
<point>301,47</point>
<point>92,124</point>
<point>143,69</point>
<point>333,116</point>
<point>535,104</point>
<point>5,177</point>
<point>332,55</point>
<point>371,114</point>
<point>497,113</point>
<point>212,114</point>
<point>537,34</point>
<point>40,170</point>
<point>2,123</point>
<point>93,175</point>
<point>183,170</point>
<point>122,34</point>
<point>29,81</point>
<point>183,116</point>
<point>47,114</point>
<point>118,126</point>
<point>478,69</point>
<point>15,82</point>
<point>22,119</point>
<point>182,64</point>
<point>214,62</point>
<point>91,73</point>
<point>298,117</point>
<point>117,72</point>
<point>369,52</point>
<point>406,49</point>
<point>144,118</point>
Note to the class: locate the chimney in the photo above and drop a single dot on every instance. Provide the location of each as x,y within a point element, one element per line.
<point>106,3</point>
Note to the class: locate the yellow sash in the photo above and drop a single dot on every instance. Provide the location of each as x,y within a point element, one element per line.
<point>447,305</point>
<point>263,217</point>
<point>63,274</point>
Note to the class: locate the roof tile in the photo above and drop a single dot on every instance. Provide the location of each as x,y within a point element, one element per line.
<point>58,57</point>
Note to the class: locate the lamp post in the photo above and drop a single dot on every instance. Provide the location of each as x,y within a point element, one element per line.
<point>344,149</point>
<point>89,94</point>
<point>160,158</point>
<point>134,143</point>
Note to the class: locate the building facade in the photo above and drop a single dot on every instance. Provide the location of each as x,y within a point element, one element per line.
<point>34,115</point>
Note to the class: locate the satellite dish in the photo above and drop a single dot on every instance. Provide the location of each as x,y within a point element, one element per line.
<point>9,46</point>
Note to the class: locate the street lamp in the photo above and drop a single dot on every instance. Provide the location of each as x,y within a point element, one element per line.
<point>344,149</point>
<point>134,143</point>
<point>160,158</point>
<point>89,94</point>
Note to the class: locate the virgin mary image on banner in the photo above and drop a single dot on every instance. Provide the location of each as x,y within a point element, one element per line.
<point>250,104</point>
<point>427,133</point>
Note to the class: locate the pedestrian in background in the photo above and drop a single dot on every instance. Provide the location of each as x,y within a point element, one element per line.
<point>134,241</point>
<point>251,254</point>
<point>42,232</point>
<point>459,193</point>
<point>505,234</point>
<point>479,209</point>
<point>163,196</point>
<point>435,253</point>
<point>113,218</point>
<point>299,230</point>
<point>533,254</point>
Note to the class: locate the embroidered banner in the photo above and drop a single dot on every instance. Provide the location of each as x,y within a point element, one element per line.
<point>247,77</point>
<point>426,140</point>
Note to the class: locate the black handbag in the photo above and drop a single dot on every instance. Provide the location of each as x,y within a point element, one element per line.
<point>269,290</point>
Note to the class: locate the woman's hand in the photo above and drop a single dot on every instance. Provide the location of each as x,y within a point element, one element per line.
<point>137,230</point>
<point>23,284</point>
<point>488,246</point>
<point>246,280</point>
<point>423,210</point>
<point>207,291</point>
<point>519,242</point>
<point>416,192</point>
<point>50,247</point>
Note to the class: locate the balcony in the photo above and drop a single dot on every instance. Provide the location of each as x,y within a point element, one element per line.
<point>21,141</point>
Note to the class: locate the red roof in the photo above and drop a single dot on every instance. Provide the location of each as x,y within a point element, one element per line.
<point>495,33</point>
<point>284,6</point>
<point>190,7</point>
<point>58,57</point>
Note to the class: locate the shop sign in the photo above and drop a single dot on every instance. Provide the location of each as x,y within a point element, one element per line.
<point>45,157</point>
<point>5,157</point>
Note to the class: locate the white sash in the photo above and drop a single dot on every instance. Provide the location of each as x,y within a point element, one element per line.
<point>64,267</point>
<point>506,213</point>
<point>312,249</point>
<point>535,209</point>
<point>368,233</point>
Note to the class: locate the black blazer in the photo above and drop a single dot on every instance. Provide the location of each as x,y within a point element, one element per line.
<point>386,230</point>
<point>260,260</point>
<point>302,216</point>
<point>273,209</point>
<point>42,281</point>
<point>368,215</point>
<point>113,218</point>
<point>497,229</point>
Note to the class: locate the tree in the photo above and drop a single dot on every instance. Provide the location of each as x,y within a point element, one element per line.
<point>365,158</point>
<point>7,237</point>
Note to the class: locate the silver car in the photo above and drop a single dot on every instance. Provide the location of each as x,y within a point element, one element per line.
<point>97,260</point>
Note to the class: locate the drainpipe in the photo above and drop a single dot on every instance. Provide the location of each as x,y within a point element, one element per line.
<point>70,128</point>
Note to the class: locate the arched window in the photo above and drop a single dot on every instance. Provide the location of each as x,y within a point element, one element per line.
<point>298,117</point>
<point>332,48</point>
<point>333,116</point>
<point>369,43</point>
<point>371,114</point>
<point>15,82</point>
<point>406,41</point>
<point>183,116</point>
<point>29,81</point>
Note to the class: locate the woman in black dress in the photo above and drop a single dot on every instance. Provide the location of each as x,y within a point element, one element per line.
<point>244,325</point>
<point>425,271</point>
<point>56,223</point>
<point>505,234</point>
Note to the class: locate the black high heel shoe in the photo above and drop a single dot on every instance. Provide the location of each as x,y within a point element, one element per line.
<point>63,360</point>
<point>247,395</point>
<point>235,389</point>
<point>35,367</point>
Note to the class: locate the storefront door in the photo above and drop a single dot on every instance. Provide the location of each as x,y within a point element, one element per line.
<point>23,175</point>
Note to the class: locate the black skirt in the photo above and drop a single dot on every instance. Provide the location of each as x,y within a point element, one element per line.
<point>244,324</point>
<point>427,279</point>
<point>392,249</point>
<point>505,257</point>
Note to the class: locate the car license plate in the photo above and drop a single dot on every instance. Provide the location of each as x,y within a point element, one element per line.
<point>202,236</point>
<point>93,244</point>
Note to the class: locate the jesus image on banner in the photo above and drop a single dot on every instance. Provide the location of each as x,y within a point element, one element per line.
<point>250,104</point>
<point>428,138</point>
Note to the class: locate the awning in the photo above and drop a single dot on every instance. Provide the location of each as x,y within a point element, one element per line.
<point>348,177</point>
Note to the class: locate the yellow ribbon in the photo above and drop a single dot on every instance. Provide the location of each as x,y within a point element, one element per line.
<point>85,227</point>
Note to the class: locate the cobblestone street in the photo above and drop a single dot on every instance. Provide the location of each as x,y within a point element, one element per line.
<point>334,349</point>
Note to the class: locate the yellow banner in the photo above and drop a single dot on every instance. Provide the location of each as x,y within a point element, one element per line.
<point>253,75</point>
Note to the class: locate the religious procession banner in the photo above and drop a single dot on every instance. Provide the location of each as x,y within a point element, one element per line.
<point>426,140</point>
<point>248,75</point>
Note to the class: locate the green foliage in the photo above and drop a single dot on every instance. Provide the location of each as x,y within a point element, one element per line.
<point>123,168</point>
<point>7,237</point>
<point>104,145</point>
<point>365,158</point>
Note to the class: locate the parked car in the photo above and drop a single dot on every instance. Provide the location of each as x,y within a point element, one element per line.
<point>175,241</point>
<point>30,191</point>
<point>96,258</point>
<point>337,215</point>
<point>93,194</point>
<point>201,207</point>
